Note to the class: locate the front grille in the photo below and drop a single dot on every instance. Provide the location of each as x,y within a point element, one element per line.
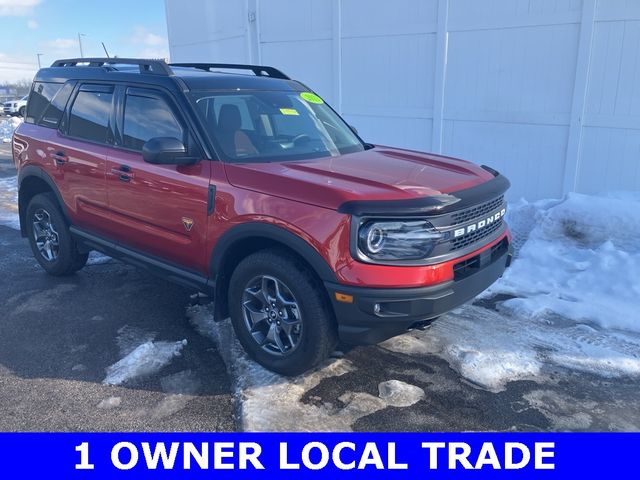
<point>465,268</point>
<point>475,212</point>
<point>476,235</point>
<point>474,264</point>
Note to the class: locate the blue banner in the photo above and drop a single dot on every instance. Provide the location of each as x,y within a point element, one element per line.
<point>315,455</point>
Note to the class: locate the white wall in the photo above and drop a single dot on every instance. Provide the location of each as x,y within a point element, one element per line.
<point>547,91</point>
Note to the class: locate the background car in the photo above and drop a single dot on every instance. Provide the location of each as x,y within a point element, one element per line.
<point>15,107</point>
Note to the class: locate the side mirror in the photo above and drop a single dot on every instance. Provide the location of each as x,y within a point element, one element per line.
<point>353,129</point>
<point>166,151</point>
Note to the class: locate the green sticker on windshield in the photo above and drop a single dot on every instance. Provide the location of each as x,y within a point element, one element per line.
<point>311,97</point>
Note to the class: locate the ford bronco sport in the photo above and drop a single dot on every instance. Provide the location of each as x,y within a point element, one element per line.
<point>247,186</point>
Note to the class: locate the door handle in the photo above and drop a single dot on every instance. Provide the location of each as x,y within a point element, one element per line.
<point>123,172</point>
<point>60,158</point>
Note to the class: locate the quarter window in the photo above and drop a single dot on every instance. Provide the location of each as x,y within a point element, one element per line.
<point>53,113</point>
<point>89,117</point>
<point>146,118</point>
<point>41,95</point>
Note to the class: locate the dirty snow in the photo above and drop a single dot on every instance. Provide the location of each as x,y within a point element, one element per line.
<point>97,258</point>
<point>142,356</point>
<point>147,359</point>
<point>400,394</point>
<point>270,402</point>
<point>7,126</point>
<point>9,202</point>
<point>581,262</point>
<point>577,302</point>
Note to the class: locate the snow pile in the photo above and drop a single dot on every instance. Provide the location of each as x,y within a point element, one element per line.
<point>9,202</point>
<point>491,348</point>
<point>142,356</point>
<point>577,302</point>
<point>97,258</point>
<point>145,360</point>
<point>581,262</point>
<point>7,126</point>
<point>400,394</point>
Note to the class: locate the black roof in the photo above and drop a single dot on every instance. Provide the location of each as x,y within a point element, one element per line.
<point>189,76</point>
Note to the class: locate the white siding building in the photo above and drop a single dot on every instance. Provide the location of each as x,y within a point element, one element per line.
<point>547,91</point>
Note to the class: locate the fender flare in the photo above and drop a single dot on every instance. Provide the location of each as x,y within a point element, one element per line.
<point>35,171</point>
<point>275,233</point>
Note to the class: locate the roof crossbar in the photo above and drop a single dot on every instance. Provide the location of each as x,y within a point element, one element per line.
<point>258,70</point>
<point>156,67</point>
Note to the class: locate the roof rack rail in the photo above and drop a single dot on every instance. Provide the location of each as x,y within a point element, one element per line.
<point>157,67</point>
<point>258,70</point>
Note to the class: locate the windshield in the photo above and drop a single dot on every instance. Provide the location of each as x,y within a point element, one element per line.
<point>274,126</point>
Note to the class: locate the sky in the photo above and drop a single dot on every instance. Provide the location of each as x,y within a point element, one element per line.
<point>129,28</point>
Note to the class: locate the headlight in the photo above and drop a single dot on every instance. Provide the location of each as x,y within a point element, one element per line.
<point>397,240</point>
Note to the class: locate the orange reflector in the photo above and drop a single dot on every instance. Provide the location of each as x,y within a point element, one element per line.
<point>343,297</point>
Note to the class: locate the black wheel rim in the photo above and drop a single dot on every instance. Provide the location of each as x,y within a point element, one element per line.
<point>272,315</point>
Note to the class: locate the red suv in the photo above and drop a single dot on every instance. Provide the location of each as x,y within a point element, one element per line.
<point>246,185</point>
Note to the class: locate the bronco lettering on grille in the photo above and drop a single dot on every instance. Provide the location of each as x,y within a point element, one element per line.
<point>479,225</point>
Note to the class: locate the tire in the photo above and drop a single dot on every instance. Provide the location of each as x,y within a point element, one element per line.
<point>53,246</point>
<point>307,331</point>
<point>21,111</point>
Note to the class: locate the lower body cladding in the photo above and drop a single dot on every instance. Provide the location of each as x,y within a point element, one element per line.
<point>368,316</point>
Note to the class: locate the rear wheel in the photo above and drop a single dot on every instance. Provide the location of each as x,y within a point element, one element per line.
<point>280,314</point>
<point>50,239</point>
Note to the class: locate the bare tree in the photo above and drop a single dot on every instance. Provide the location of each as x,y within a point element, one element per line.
<point>20,87</point>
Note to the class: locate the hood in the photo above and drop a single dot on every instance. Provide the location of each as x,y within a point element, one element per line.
<point>380,173</point>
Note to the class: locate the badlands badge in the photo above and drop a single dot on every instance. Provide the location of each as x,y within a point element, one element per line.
<point>188,223</point>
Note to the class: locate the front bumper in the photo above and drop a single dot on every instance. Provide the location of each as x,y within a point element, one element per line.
<point>377,314</point>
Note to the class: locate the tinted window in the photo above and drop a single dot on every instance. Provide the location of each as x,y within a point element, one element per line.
<point>146,118</point>
<point>89,118</point>
<point>53,113</point>
<point>41,95</point>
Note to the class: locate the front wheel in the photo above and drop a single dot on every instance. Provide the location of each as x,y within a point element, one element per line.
<point>21,111</point>
<point>280,314</point>
<point>50,239</point>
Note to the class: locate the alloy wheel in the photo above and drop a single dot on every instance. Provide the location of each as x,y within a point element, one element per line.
<point>272,315</point>
<point>45,235</point>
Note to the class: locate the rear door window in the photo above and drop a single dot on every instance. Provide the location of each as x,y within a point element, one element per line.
<point>91,112</point>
